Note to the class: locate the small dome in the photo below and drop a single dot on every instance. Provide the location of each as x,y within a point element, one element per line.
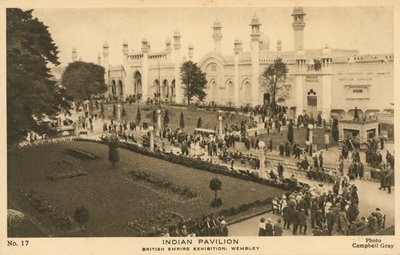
<point>190,46</point>
<point>326,52</point>
<point>255,21</point>
<point>217,23</point>
<point>125,43</point>
<point>74,49</point>
<point>237,41</point>
<point>168,41</point>
<point>144,40</point>
<point>105,44</point>
<point>300,54</point>
<point>279,42</point>
<point>298,10</point>
<point>177,33</point>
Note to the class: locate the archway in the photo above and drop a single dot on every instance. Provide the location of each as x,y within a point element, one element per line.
<point>173,91</point>
<point>230,90</point>
<point>121,90</point>
<point>312,103</point>
<point>156,90</point>
<point>113,88</point>
<point>137,86</point>
<point>213,91</point>
<point>164,89</point>
<point>246,92</point>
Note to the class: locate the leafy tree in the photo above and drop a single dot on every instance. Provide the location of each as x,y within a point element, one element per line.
<point>166,118</point>
<point>194,81</point>
<point>335,130</point>
<point>182,121</point>
<point>317,64</point>
<point>273,80</point>
<point>138,116</point>
<point>215,185</point>
<point>199,122</point>
<point>290,132</point>
<point>113,153</point>
<point>83,80</point>
<point>32,92</point>
<point>114,111</point>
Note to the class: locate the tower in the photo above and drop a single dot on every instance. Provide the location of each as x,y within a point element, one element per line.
<point>237,49</point>
<point>145,69</point>
<point>298,27</point>
<point>190,51</point>
<point>279,45</point>
<point>326,82</point>
<point>217,35</point>
<point>125,51</point>
<point>177,66</point>
<point>74,54</point>
<point>99,59</point>
<point>168,48</point>
<point>105,60</point>
<point>255,59</point>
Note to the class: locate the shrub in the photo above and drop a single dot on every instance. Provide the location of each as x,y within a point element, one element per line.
<point>216,202</point>
<point>81,215</point>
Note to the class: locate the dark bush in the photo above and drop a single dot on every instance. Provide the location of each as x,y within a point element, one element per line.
<point>81,215</point>
<point>216,202</point>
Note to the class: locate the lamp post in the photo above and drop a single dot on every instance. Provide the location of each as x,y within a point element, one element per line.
<point>151,129</point>
<point>310,138</point>
<point>159,85</point>
<point>220,126</point>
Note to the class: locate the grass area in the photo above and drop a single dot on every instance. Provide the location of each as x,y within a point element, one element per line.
<point>111,198</point>
<point>209,118</point>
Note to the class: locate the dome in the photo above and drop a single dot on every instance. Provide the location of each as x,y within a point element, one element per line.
<point>105,44</point>
<point>74,49</point>
<point>264,39</point>
<point>300,54</point>
<point>168,41</point>
<point>298,10</point>
<point>125,43</point>
<point>144,40</point>
<point>326,52</point>
<point>217,23</point>
<point>190,46</point>
<point>255,21</point>
<point>177,33</point>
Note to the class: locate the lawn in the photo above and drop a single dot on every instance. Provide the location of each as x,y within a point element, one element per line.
<point>111,198</point>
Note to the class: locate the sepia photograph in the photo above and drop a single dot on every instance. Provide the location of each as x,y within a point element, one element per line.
<point>199,125</point>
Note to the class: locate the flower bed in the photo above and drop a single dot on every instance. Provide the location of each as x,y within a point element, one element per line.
<point>46,210</point>
<point>80,154</point>
<point>67,174</point>
<point>165,185</point>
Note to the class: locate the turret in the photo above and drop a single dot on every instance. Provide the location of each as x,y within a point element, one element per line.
<point>105,53</point>
<point>190,51</point>
<point>279,45</point>
<point>177,40</point>
<point>326,57</point>
<point>255,28</point>
<point>74,54</point>
<point>99,59</point>
<point>145,45</point>
<point>217,35</point>
<point>298,27</point>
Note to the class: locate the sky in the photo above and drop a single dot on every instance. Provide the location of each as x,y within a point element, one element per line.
<point>368,29</point>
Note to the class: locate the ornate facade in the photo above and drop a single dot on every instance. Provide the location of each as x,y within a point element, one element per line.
<point>343,80</point>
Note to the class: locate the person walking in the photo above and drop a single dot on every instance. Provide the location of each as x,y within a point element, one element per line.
<point>302,222</point>
<point>261,227</point>
<point>330,220</point>
<point>278,228</point>
<point>269,228</point>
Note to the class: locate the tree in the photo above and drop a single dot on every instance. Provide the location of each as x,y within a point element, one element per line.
<point>317,64</point>
<point>32,92</point>
<point>215,185</point>
<point>166,118</point>
<point>290,132</point>
<point>113,153</point>
<point>199,123</point>
<point>138,116</point>
<point>194,81</point>
<point>335,129</point>
<point>273,80</point>
<point>83,80</point>
<point>182,121</point>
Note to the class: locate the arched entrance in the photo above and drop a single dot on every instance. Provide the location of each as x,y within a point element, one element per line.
<point>164,89</point>
<point>137,85</point>
<point>246,92</point>
<point>312,103</point>
<point>156,90</point>
<point>121,90</point>
<point>230,90</point>
<point>214,91</point>
<point>113,88</point>
<point>173,92</point>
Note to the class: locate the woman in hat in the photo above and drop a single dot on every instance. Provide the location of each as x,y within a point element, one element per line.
<point>261,227</point>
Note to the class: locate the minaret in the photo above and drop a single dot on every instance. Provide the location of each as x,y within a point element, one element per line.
<point>105,60</point>
<point>237,49</point>
<point>298,27</point>
<point>177,66</point>
<point>217,35</point>
<point>125,51</point>
<point>326,81</point>
<point>190,51</point>
<point>255,65</point>
<point>99,59</point>
<point>279,45</point>
<point>168,48</point>
<point>74,54</point>
<point>145,69</point>
<point>299,74</point>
